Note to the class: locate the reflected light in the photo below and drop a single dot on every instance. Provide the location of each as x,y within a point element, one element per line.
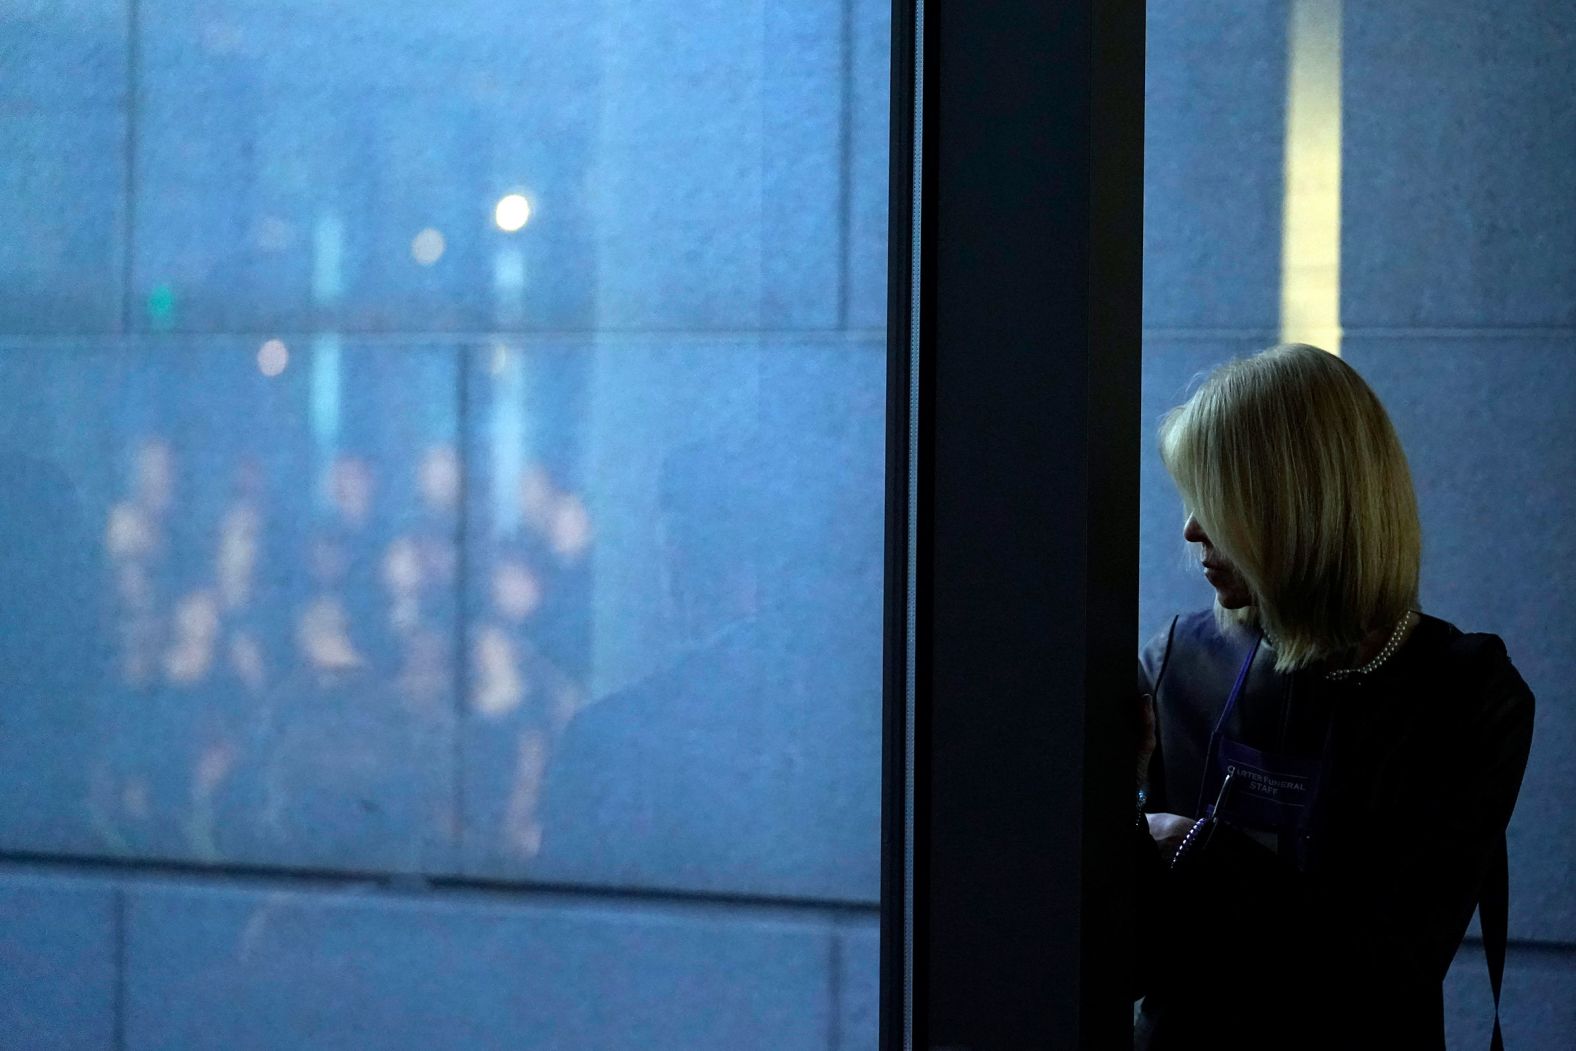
<point>402,567</point>
<point>500,687</point>
<point>516,591</point>
<point>272,357</point>
<point>196,628</point>
<point>570,530</point>
<point>161,305</point>
<point>438,478</point>
<point>328,259</point>
<point>129,534</point>
<point>427,247</point>
<point>326,391</point>
<point>1311,210</point>
<point>322,633</point>
<point>237,556</point>
<point>512,212</point>
<point>522,831</point>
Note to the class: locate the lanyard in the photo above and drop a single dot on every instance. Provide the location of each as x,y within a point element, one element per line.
<point>1272,792</point>
<point>1225,713</point>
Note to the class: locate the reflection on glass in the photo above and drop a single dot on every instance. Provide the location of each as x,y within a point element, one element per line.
<point>299,580</point>
<point>425,532</point>
<point>427,246</point>
<point>272,357</point>
<point>527,670</point>
<point>136,544</point>
<point>512,212</point>
<point>240,634</point>
<point>161,307</point>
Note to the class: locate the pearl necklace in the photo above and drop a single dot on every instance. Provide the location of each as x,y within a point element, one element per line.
<point>1385,654</point>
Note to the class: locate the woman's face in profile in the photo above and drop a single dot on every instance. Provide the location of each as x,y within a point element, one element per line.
<point>1229,589</point>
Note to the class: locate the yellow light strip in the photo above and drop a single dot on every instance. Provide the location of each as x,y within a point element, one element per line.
<point>1311,216</point>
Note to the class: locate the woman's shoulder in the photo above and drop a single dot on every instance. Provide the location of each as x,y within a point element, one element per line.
<point>1193,647</point>
<point>1443,644</point>
<point>1473,666</point>
<point>1197,630</point>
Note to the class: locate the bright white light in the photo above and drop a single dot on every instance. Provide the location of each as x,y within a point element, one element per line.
<point>1311,210</point>
<point>272,357</point>
<point>512,212</point>
<point>427,247</point>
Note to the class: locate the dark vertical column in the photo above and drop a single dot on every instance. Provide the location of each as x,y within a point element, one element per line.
<point>897,724</point>
<point>1024,529</point>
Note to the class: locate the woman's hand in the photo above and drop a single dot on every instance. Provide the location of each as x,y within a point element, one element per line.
<point>1168,830</point>
<point>1146,736</point>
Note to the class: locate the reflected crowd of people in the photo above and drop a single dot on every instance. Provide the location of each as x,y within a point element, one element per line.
<point>283,668</point>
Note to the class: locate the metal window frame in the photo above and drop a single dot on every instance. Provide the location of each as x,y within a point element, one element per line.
<point>1015,246</point>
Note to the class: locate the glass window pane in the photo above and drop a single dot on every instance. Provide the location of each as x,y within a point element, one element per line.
<point>442,546</point>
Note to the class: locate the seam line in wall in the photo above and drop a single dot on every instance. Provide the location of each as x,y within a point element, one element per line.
<point>452,340</point>
<point>118,1021</point>
<point>845,178</point>
<point>1375,332</point>
<point>129,160</point>
<point>392,886</point>
<point>834,981</point>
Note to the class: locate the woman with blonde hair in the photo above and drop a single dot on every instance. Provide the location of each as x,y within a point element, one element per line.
<point>1325,772</point>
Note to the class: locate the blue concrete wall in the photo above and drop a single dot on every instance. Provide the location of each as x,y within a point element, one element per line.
<point>222,968</point>
<point>419,634</point>
<point>1458,301</point>
<point>58,958</point>
<point>1214,82</point>
<point>1213,112</point>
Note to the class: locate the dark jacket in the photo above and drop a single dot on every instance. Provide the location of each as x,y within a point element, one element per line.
<point>1346,944</point>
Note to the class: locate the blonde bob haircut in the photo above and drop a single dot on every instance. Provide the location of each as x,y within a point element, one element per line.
<point>1290,464</point>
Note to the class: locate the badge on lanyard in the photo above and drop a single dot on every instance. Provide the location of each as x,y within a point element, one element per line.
<point>1270,791</point>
